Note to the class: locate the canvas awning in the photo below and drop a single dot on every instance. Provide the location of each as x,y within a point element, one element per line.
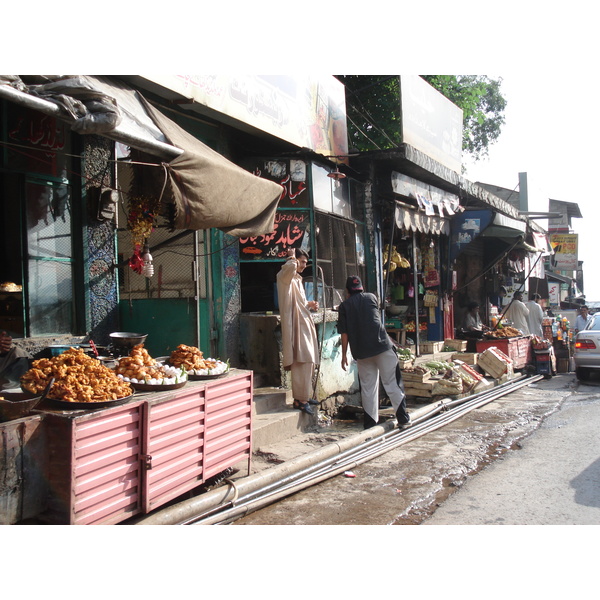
<point>208,189</point>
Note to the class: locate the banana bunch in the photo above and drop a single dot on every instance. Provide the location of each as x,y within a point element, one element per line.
<point>396,260</point>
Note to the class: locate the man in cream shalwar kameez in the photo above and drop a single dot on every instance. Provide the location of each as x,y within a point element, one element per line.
<point>298,333</point>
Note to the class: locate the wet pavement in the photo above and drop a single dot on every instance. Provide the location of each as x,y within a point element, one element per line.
<point>406,485</point>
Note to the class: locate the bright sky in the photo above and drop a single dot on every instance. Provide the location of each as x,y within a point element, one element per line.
<point>551,132</point>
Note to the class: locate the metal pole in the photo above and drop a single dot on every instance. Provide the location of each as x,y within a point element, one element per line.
<point>416,289</point>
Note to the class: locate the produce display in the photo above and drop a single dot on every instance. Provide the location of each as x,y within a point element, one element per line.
<point>77,378</point>
<point>192,360</point>
<point>140,367</point>
<point>405,354</point>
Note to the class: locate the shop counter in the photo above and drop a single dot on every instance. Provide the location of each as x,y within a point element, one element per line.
<point>518,349</point>
<point>109,464</point>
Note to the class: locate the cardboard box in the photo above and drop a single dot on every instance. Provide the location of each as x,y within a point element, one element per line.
<point>467,357</point>
<point>458,345</point>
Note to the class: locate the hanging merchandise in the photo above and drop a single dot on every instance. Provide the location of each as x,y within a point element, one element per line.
<point>430,299</point>
<point>411,291</point>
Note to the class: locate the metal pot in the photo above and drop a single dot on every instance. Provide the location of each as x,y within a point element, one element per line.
<point>127,339</point>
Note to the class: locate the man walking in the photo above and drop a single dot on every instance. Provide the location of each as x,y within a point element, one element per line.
<point>299,336</point>
<point>360,326</point>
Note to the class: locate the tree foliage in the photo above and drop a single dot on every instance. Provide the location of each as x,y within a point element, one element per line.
<point>373,109</point>
<point>482,105</point>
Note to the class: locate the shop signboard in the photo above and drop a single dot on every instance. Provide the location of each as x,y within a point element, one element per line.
<point>307,110</point>
<point>564,246</point>
<point>430,122</point>
<point>292,230</point>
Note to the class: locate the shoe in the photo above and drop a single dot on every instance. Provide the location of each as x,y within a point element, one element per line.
<point>305,408</point>
<point>405,425</point>
<point>297,404</point>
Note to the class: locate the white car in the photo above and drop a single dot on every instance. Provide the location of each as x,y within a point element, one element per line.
<point>587,350</point>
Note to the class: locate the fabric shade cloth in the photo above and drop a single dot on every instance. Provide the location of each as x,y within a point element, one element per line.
<point>211,191</point>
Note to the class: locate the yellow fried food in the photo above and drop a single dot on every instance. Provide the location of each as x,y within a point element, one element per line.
<point>190,358</point>
<point>77,378</point>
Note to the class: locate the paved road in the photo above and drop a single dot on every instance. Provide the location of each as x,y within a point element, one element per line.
<point>554,479</point>
<point>409,484</point>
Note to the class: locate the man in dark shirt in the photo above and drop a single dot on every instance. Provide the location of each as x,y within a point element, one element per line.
<point>361,327</point>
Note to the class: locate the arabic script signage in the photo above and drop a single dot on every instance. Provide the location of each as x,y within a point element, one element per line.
<point>292,229</point>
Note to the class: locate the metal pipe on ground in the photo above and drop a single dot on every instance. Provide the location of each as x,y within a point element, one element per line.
<point>191,510</point>
<point>320,474</point>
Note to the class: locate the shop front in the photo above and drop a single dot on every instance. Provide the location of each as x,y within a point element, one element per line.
<point>321,211</point>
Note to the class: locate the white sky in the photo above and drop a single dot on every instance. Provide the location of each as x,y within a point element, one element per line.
<point>551,132</point>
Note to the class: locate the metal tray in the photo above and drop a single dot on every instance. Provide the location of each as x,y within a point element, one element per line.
<point>202,377</point>
<point>148,387</point>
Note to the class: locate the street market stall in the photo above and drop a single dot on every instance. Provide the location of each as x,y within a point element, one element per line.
<point>124,445</point>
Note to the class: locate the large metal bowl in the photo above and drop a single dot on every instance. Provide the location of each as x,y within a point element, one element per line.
<point>127,339</point>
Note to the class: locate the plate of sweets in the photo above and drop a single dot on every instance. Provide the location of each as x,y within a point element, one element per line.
<point>146,374</point>
<point>79,381</point>
<point>192,360</point>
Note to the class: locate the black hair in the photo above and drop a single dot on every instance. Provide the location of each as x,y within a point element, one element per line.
<point>300,253</point>
<point>472,305</point>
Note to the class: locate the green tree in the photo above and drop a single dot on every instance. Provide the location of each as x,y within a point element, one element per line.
<point>482,104</point>
<point>373,109</point>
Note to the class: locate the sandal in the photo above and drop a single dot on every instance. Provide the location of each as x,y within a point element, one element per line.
<point>304,407</point>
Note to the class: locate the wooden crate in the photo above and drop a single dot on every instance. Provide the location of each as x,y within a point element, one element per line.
<point>431,347</point>
<point>469,358</point>
<point>495,363</point>
<point>409,377</point>
<point>458,345</point>
<point>423,390</point>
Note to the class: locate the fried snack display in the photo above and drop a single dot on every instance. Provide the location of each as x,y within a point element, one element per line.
<point>140,367</point>
<point>78,378</point>
<point>192,360</point>
<point>505,332</point>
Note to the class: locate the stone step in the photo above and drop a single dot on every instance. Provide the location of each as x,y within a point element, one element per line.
<point>268,399</point>
<point>274,419</point>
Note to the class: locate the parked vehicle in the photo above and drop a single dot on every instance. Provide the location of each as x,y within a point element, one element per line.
<point>587,350</point>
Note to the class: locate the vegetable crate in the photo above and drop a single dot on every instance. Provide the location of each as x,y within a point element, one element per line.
<point>431,347</point>
<point>495,363</point>
<point>457,345</point>
<point>467,357</point>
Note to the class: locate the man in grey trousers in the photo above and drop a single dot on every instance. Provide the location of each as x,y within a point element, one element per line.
<point>361,327</point>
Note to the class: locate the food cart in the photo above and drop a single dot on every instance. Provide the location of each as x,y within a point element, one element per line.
<point>103,462</point>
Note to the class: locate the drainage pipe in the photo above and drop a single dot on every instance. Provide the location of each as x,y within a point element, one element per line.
<point>189,510</point>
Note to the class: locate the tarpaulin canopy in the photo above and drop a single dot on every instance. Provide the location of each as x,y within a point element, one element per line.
<point>208,189</point>
<point>211,191</point>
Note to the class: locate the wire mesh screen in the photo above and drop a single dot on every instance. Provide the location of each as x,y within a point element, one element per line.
<point>337,254</point>
<point>173,262</point>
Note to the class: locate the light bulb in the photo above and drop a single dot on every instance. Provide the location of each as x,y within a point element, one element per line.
<point>148,269</point>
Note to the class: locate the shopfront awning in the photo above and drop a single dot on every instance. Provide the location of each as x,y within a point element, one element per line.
<point>413,220</point>
<point>208,190</point>
<point>504,227</point>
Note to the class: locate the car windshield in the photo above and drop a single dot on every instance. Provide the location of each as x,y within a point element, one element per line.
<point>594,324</point>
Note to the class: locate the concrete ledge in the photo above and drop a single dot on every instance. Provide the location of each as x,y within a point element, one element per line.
<point>273,427</point>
